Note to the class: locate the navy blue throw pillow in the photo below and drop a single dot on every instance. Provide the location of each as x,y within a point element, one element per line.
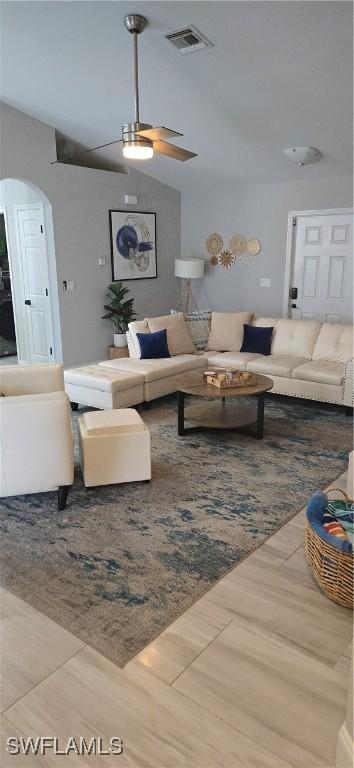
<point>153,345</point>
<point>256,339</point>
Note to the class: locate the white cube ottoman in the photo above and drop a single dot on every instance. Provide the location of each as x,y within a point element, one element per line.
<point>114,447</point>
<point>104,387</point>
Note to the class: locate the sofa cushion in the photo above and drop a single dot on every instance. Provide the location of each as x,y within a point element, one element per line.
<point>257,339</point>
<point>322,371</point>
<point>179,339</point>
<point>111,422</point>
<point>335,342</point>
<point>153,345</point>
<point>105,380</point>
<point>31,379</point>
<point>156,369</point>
<point>265,322</point>
<point>138,326</point>
<point>237,360</point>
<point>226,330</point>
<point>295,337</point>
<point>276,365</point>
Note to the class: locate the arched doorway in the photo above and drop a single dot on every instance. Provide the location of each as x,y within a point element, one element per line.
<point>28,280</point>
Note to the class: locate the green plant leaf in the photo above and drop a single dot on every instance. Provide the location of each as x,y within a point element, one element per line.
<point>119,311</point>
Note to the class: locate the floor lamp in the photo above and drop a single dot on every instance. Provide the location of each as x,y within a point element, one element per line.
<point>188,269</point>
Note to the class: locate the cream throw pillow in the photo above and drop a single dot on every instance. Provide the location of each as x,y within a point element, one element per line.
<point>226,331</point>
<point>138,326</point>
<point>179,339</point>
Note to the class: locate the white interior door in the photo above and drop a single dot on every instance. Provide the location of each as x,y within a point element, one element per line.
<point>323,268</point>
<point>34,267</point>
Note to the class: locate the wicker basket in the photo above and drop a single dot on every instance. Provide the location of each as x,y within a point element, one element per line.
<point>332,569</point>
<point>231,383</point>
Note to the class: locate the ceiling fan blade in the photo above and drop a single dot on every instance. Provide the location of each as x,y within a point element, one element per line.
<point>158,133</point>
<point>87,151</point>
<point>164,148</point>
<point>101,146</point>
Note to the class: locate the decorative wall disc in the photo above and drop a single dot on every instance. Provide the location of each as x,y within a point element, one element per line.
<point>238,244</point>
<point>214,244</point>
<point>214,261</point>
<point>254,247</point>
<point>227,259</point>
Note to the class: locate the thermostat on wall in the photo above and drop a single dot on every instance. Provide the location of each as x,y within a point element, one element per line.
<point>131,199</point>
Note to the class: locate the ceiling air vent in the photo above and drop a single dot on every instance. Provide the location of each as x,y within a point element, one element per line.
<point>188,40</point>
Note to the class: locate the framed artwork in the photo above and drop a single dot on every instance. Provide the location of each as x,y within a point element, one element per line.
<point>133,245</point>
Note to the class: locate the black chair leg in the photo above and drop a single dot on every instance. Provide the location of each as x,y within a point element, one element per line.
<point>63,491</point>
<point>74,406</point>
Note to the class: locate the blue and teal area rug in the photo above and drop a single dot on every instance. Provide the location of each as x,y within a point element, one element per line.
<point>122,562</point>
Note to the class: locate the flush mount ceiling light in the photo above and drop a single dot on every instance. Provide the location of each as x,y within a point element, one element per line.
<point>302,155</point>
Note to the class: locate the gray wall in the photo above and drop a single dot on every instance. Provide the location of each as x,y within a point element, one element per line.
<point>81,199</point>
<point>255,211</point>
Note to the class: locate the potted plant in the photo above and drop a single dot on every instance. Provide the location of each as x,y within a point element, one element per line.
<point>120,311</point>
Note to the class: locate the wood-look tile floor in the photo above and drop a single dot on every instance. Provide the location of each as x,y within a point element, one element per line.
<point>254,674</point>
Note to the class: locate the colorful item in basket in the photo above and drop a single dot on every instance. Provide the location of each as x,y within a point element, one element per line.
<point>316,509</point>
<point>332,526</point>
<point>343,511</point>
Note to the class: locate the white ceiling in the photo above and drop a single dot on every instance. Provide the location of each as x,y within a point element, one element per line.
<point>279,74</point>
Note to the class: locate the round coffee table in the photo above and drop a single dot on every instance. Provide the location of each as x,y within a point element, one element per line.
<point>226,411</point>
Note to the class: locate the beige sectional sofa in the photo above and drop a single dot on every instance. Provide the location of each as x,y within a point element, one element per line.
<point>308,359</point>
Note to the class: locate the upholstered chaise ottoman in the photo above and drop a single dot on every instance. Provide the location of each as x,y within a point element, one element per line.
<point>114,447</point>
<point>103,387</point>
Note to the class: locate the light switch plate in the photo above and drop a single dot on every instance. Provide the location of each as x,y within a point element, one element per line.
<point>101,262</point>
<point>70,285</point>
<point>265,282</point>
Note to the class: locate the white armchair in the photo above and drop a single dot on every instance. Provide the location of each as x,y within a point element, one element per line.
<point>36,443</point>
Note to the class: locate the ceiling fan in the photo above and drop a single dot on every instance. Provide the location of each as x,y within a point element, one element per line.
<point>141,140</point>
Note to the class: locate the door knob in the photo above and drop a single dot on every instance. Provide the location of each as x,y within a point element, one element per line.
<point>28,301</point>
<point>293,306</point>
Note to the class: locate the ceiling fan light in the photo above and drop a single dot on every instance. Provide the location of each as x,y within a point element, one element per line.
<point>138,150</point>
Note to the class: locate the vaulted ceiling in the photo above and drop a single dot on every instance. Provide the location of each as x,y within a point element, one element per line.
<point>278,74</point>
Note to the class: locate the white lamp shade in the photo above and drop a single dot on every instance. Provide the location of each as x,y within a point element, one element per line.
<point>189,268</point>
